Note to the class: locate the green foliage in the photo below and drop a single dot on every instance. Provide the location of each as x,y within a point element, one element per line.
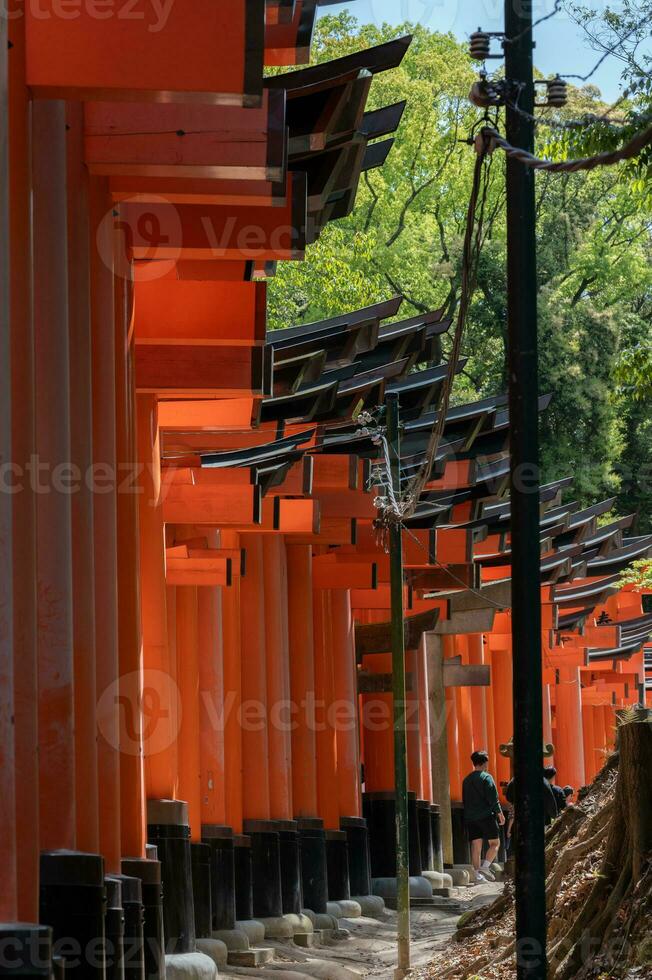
<point>634,370</point>
<point>622,33</point>
<point>594,269</point>
<point>639,574</point>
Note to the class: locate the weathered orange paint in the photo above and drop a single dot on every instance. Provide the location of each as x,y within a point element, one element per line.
<point>569,745</point>
<point>81,435</point>
<point>377,719</point>
<point>501,688</point>
<point>278,676</point>
<point>478,695</point>
<point>130,641</point>
<point>302,679</point>
<point>346,697</point>
<point>52,385</point>
<point>232,694</point>
<point>160,766</point>
<point>211,705</point>
<point>188,681</point>
<point>23,447</point>
<point>255,745</point>
<point>326,743</point>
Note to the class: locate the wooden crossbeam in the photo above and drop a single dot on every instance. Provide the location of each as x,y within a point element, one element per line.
<point>374,638</point>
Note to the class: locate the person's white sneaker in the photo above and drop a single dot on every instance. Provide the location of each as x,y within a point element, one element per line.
<point>487,873</point>
<point>480,879</point>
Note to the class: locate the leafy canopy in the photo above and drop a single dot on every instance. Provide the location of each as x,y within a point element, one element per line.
<point>405,236</point>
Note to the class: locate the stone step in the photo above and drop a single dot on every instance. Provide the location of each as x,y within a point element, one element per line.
<point>442,892</point>
<point>256,956</point>
<point>436,903</point>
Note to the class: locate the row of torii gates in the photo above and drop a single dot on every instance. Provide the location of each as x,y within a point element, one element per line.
<point>194,646</point>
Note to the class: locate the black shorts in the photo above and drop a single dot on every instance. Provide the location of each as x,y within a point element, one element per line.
<point>485,829</point>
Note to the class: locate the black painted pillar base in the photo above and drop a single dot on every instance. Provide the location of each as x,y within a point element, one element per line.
<point>461,849</point>
<point>220,841</point>
<point>425,835</point>
<point>357,837</point>
<point>167,828</point>
<point>201,889</point>
<point>148,872</point>
<point>114,929</point>
<point>28,948</point>
<point>291,891</point>
<point>265,868</point>
<point>314,870</point>
<point>72,902</point>
<point>244,900</point>
<point>437,849</point>
<point>380,812</point>
<point>337,862</point>
<point>133,929</point>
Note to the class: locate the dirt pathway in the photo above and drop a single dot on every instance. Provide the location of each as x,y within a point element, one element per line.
<point>370,951</point>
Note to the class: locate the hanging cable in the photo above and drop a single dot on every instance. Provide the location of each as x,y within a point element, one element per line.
<point>470,252</point>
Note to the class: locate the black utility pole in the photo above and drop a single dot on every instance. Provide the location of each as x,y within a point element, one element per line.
<point>398,692</point>
<point>526,590</point>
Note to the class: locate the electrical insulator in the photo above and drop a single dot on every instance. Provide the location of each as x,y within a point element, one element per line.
<point>485,93</point>
<point>557,92</point>
<point>479,45</point>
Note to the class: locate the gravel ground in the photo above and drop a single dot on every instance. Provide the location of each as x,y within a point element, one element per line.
<point>370,951</point>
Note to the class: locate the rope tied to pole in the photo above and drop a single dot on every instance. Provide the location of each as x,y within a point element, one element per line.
<point>608,158</point>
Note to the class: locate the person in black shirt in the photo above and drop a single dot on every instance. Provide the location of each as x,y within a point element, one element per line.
<point>482,815</point>
<point>550,808</point>
<point>560,797</point>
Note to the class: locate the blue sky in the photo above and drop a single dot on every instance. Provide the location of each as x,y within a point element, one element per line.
<point>560,45</point>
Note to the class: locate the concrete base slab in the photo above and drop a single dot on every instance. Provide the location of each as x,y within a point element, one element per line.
<point>277,927</point>
<point>253,929</point>
<point>189,966</point>
<point>442,892</point>
<point>498,870</point>
<point>256,956</point>
<point>301,924</point>
<point>459,876</point>
<point>434,877</point>
<point>233,939</point>
<point>350,908</point>
<point>447,880</point>
<point>325,921</point>
<point>305,939</point>
<point>371,906</point>
<point>342,934</point>
<point>334,909</point>
<point>386,887</point>
<point>215,949</point>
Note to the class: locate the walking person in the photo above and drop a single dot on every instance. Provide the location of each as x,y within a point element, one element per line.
<point>483,816</point>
